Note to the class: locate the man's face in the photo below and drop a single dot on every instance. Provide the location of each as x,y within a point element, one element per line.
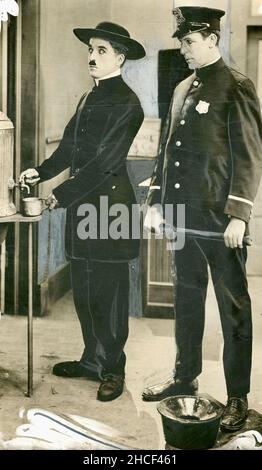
<point>103,59</point>
<point>196,50</point>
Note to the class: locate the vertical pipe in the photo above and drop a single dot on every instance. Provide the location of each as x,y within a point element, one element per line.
<point>18,74</point>
<point>3,72</point>
<point>2,270</point>
<point>3,106</point>
<point>30,310</point>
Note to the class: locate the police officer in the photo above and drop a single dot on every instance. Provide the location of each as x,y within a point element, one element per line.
<point>210,162</point>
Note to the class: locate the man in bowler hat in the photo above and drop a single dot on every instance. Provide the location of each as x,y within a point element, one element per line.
<point>94,146</point>
<point>210,162</point>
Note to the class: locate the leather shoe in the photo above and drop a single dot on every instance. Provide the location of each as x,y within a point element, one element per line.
<point>170,388</point>
<point>73,369</point>
<point>235,414</point>
<point>111,387</point>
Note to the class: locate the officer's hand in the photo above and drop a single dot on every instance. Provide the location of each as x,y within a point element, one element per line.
<point>51,202</point>
<point>234,233</point>
<point>153,220</point>
<point>29,176</point>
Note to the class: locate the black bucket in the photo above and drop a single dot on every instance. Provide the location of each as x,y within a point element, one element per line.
<point>190,422</point>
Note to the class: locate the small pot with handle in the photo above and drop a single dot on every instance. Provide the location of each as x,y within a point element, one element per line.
<point>33,206</point>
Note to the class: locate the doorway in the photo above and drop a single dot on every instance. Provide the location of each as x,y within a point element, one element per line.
<point>254,71</point>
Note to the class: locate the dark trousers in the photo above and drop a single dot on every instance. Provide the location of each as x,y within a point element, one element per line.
<point>101,292</point>
<point>228,273</point>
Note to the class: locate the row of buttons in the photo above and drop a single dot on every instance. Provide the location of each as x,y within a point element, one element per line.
<point>178,142</point>
<point>177,185</point>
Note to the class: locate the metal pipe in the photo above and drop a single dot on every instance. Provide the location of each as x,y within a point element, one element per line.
<point>18,108</point>
<point>2,270</point>
<point>30,311</point>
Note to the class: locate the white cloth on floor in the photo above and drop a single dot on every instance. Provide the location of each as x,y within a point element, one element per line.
<point>44,429</point>
<point>249,440</point>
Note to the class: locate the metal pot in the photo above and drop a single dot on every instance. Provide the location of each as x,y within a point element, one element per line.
<point>33,206</point>
<point>190,422</point>
<point>7,207</point>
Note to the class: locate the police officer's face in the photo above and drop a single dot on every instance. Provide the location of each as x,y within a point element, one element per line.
<point>103,59</point>
<point>197,50</point>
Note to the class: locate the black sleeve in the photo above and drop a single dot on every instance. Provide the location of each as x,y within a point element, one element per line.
<point>245,137</point>
<point>62,156</point>
<point>111,155</point>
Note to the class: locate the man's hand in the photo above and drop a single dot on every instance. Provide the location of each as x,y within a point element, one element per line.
<point>29,176</point>
<point>51,202</point>
<point>234,233</point>
<point>153,220</point>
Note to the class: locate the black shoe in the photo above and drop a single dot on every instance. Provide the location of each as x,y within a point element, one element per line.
<point>235,414</point>
<point>73,369</point>
<point>170,388</point>
<point>111,387</point>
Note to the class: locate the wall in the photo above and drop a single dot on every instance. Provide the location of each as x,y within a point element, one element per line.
<point>150,22</point>
<point>241,19</point>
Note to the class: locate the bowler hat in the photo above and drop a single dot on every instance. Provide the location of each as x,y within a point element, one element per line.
<point>195,19</point>
<point>112,32</point>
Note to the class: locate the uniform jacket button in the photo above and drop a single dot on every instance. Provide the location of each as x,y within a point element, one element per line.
<point>177,186</point>
<point>178,143</point>
<point>177,164</point>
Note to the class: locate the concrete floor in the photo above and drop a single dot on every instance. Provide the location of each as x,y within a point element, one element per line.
<point>150,353</point>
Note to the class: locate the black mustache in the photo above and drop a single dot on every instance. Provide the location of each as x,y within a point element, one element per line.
<point>92,63</point>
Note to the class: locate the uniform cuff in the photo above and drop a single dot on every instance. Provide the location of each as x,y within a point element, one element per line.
<point>239,207</point>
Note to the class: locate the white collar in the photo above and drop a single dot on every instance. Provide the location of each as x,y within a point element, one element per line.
<point>210,63</point>
<point>116,73</point>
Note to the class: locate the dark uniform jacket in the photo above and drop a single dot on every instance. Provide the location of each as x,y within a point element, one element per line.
<point>95,145</point>
<point>211,155</point>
